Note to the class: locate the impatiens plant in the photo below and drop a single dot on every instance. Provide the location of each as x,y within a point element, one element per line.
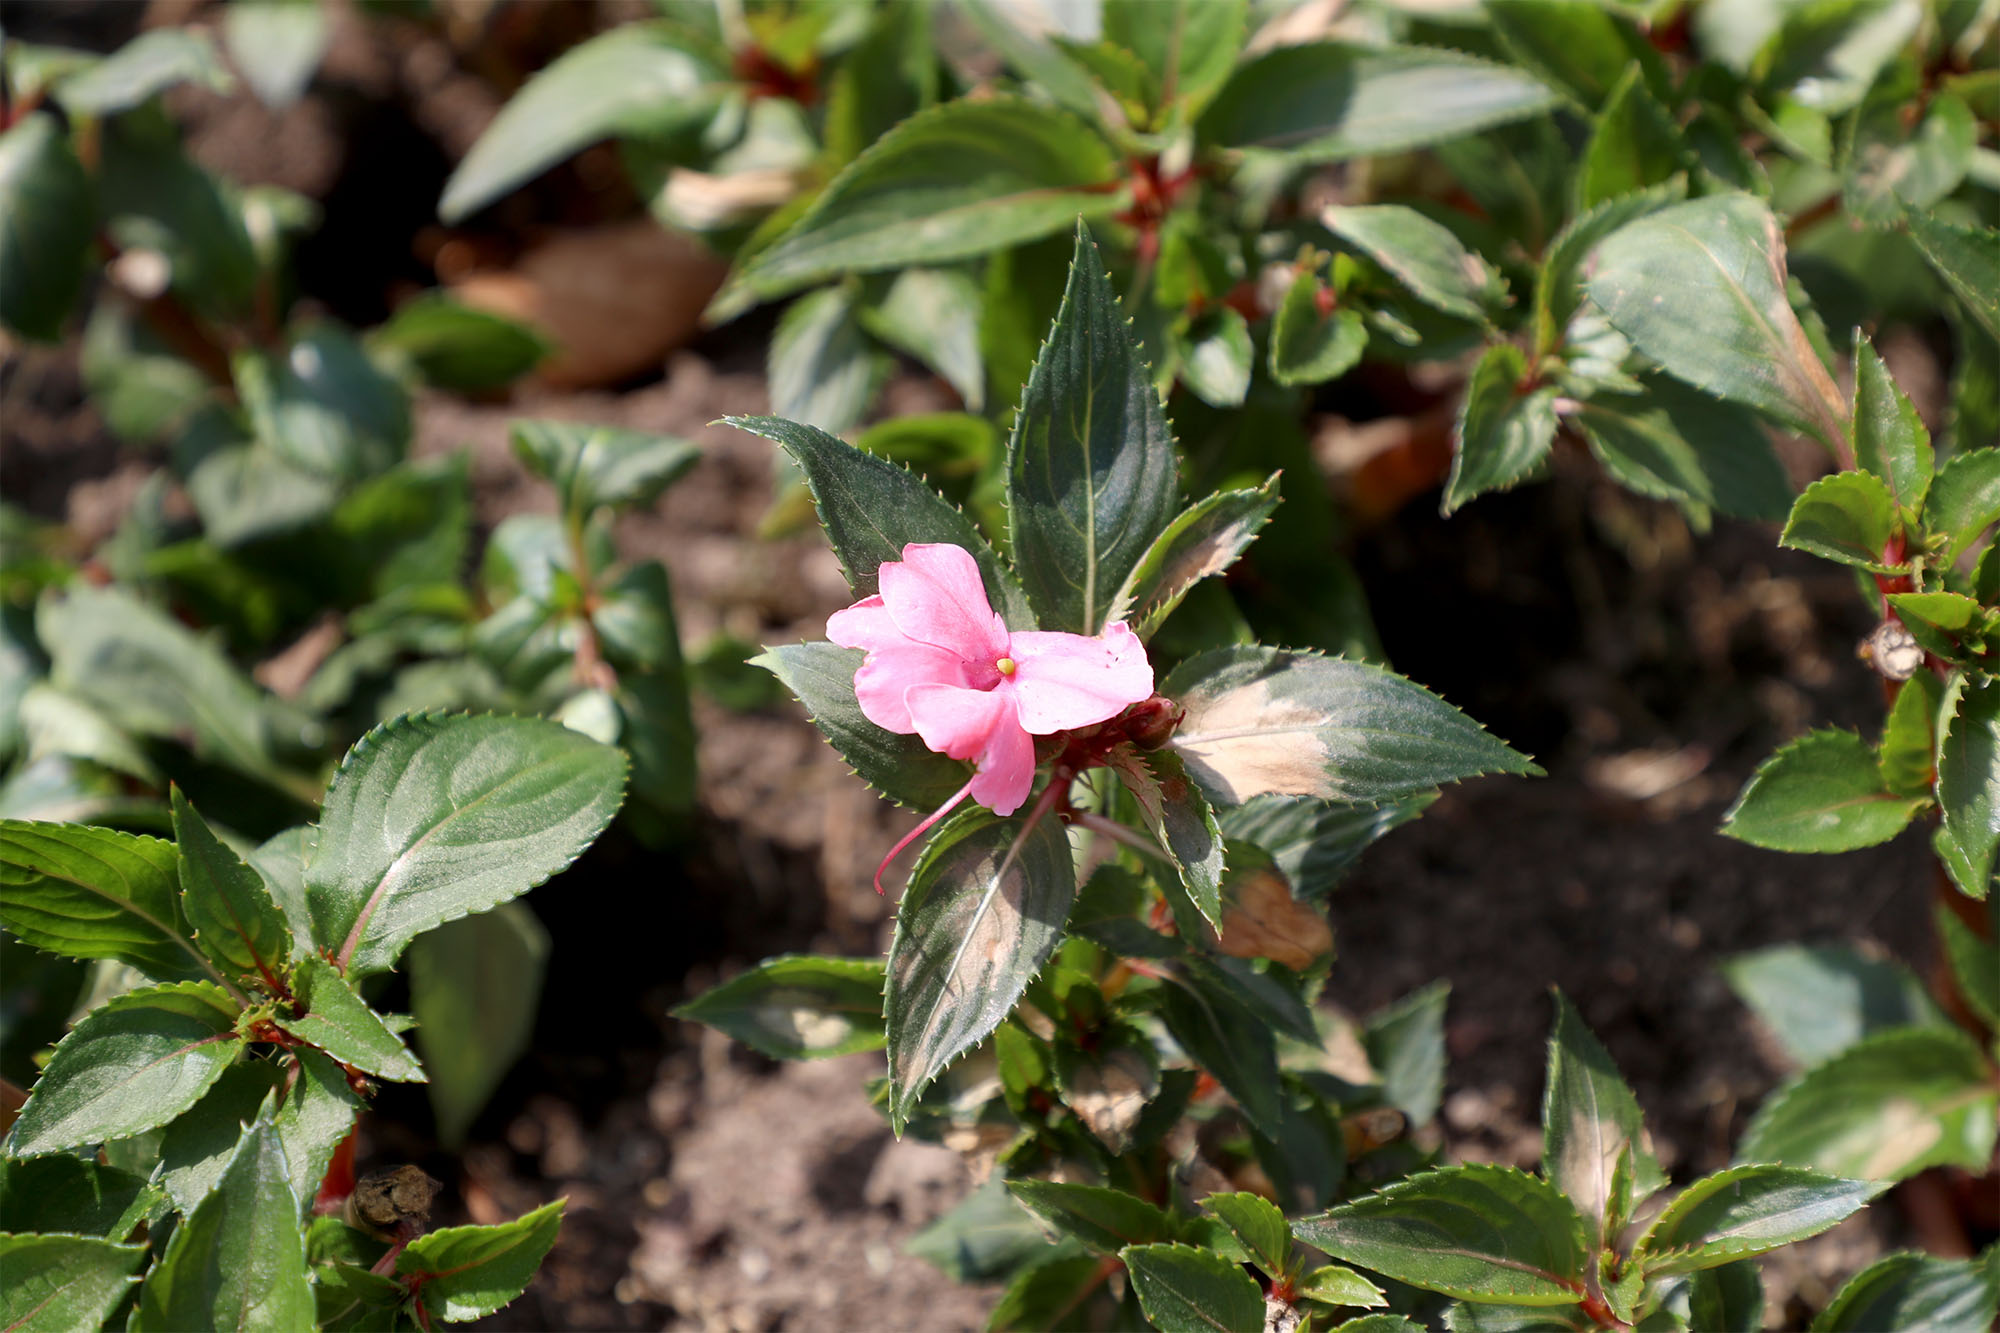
<point>177,1156</point>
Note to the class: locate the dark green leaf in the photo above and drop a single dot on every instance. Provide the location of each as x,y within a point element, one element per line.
<point>469,1272</point>
<point>339,1022</point>
<point>1968,784</point>
<point>47,199</point>
<point>319,1111</point>
<point>1174,812</point>
<point>1383,1323</point>
<point>1679,444</point>
<point>475,987</point>
<point>196,1148</point>
<point>1258,1224</point>
<point>1892,169</point>
<point>1727,1299</point>
<point>247,492</point>
<point>1968,259</point>
<point>1848,517</point>
<point>984,1238</point>
<point>238,1261</point>
<point>1421,254</point>
<point>133,1064</point>
<point>1700,288</point>
<point>601,465</point>
<point>798,1007</point>
<point>1745,1211</point>
<point>1975,963</point>
<point>984,909</point>
<point>1584,50</point>
<point>153,198</point>
<point>58,1284</point>
<point>237,922</point>
<point>1907,756</point>
<point>1405,1044</point>
<point>1503,434</point>
<point>1324,102</point>
<point>351,1299</point>
<point>873,508</point>
<point>1228,1041</point>
<point>1964,500</point>
<point>277,44</point>
<point>1091,469</point>
<point>1486,1233</point>
<point>1821,793</point>
<point>1106,1220</point>
<point>1186,1290</point>
<point>431,818</point>
<point>957,180</point>
<point>933,314</point>
<point>324,406</point>
<point>1589,1121</point>
<point>1309,346</point>
<point>455,346</point>
<point>1202,542</point>
<point>902,768</point>
<point>1315,843</point>
<point>1819,1001</point>
<point>1264,721</point>
<point>1558,283</point>
<point>1914,1291</point>
<point>147,65</point>
<point>1047,1293</point>
<point>1187,46</point>
<point>1886,1107</point>
<point>95,893</point>
<point>1636,144</point>
<point>65,1193</point>
<point>822,368</point>
<point>636,80</point>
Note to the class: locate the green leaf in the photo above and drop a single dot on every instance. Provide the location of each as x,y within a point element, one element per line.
<point>1892,168</point>
<point>197,1146</point>
<point>1256,1222</point>
<point>1311,347</point>
<point>1047,1290</point>
<point>873,508</point>
<point>933,314</point>
<point>1968,259</point>
<point>1383,1323</point>
<point>1818,1001</point>
<point>1188,46</point>
<point>1216,361</point>
<point>147,65</point>
<point>239,1260</point>
<point>64,1193</point>
<point>431,818</point>
<point>1968,784</point>
<point>960,179</point>
<point>1886,1107</point>
<point>1202,542</point>
<point>592,466</point>
<point>798,1007</point>
<point>246,492</point>
<point>984,909</point>
<point>1405,1044</point>
<point>47,198</point>
<point>1173,811</point>
<point>1589,1121</point>
<point>638,80</point>
<point>1583,50</point>
<point>455,346</point>
<point>153,197</point>
<point>469,1272</point>
<point>318,1112</point>
<point>1558,289</point>
<point>475,988</point>
<point>1821,793</point>
<point>1676,443</point>
<point>1636,144</point>
<point>1422,255</point>
<point>1091,469</point>
<point>1263,720</point>
<point>1889,437</point>
<point>1975,963</point>
<point>132,1064</point>
<point>1486,1233</point>
<point>1964,500</point>
<point>58,1284</point>
<point>236,921</point>
<point>1728,1298</point>
<point>339,1022</point>
<point>1907,756</point>
<point>982,1239</point>
<point>1334,1285</point>
<point>1227,1040</point>
<point>1848,517</point>
<point>1324,102</point>
<point>1106,1220</point>
<point>95,893</point>
<point>1745,1211</point>
<point>1914,1291</point>
<point>324,406</point>
<point>1503,434</point>
<point>1700,288</point>
<point>1315,843</point>
<point>1186,1290</point>
<point>822,368</point>
<point>902,768</point>
<point>277,44</point>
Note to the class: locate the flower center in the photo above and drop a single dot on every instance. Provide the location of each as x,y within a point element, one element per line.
<point>1005,666</point>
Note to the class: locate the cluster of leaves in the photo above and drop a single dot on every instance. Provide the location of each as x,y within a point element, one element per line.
<point>169,1157</point>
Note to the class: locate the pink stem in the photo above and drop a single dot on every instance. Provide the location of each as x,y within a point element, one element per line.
<point>921,829</point>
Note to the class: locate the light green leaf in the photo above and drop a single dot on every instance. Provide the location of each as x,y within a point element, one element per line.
<point>236,921</point>
<point>58,1284</point>
<point>638,80</point>
<point>933,314</point>
<point>197,1146</point>
<point>1589,1121</point>
<point>1486,1233</point>
<point>1405,1044</point>
<point>1202,542</point>
<point>1745,1211</point>
<point>1916,1292</point>
<point>47,199</point>
<point>1584,50</point>
<point>95,893</point>
<point>1964,499</point>
<point>469,1272</point>
<point>1422,255</point>
<point>1907,756</point>
<point>1975,963</point>
<point>1968,784</point>
<point>959,179</point>
<point>1503,435</point>
<point>238,1262</point>
<point>982,1239</point>
<point>339,1022</point>
<point>1334,1285</point>
<point>1700,288</point>
<point>1186,1290</point>
<point>1821,793</point>
<point>1106,1220</point>
<point>1637,144</point>
<point>431,818</point>
<point>1889,438</point>
<point>455,346</point>
<point>822,368</point>
<point>1885,1108</point>
<point>593,465</point>
<point>1188,46</point>
<point>1818,1001</point>
<point>798,1007</point>
<point>1091,468</point>
<point>1891,169</point>
<point>323,406</point>
<point>1968,259</point>
<point>277,44</point>
<point>1311,347</point>
<point>475,988</point>
<point>1216,361</point>
<point>984,909</point>
<point>1264,721</point>
<point>1256,1221</point>
<point>1558,283</point>
<point>319,1110</point>
<point>147,65</point>
<point>1848,517</point>
<point>1324,102</point>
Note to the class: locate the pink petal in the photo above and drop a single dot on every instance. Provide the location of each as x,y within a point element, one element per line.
<point>887,674</point>
<point>979,725</point>
<point>866,624</point>
<point>1069,680</point>
<point>935,595</point>
<point>1006,769</point>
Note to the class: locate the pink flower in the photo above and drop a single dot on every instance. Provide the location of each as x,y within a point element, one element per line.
<point>944,666</point>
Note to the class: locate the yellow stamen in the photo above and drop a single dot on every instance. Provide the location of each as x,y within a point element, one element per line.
<point>1005,666</point>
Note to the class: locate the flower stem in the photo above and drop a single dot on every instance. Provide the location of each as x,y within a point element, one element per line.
<point>1118,833</point>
